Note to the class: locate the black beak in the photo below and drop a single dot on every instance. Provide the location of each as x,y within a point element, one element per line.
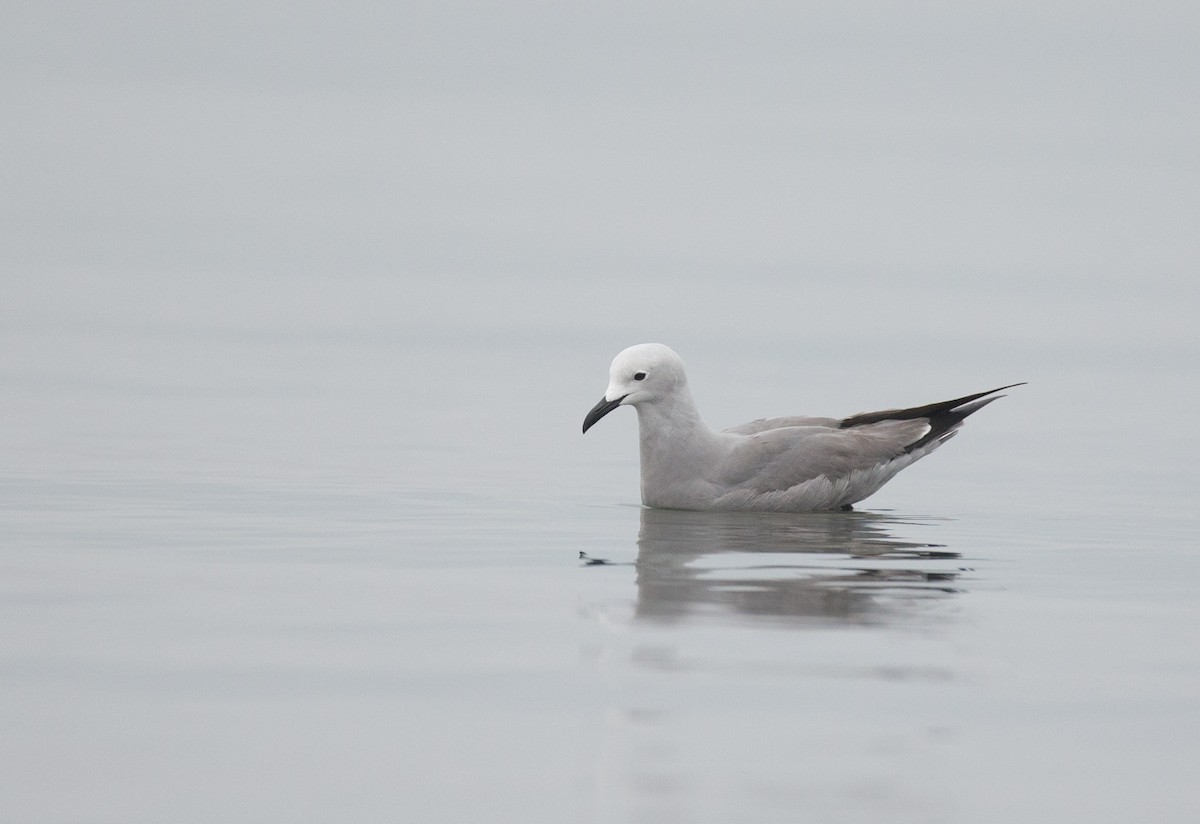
<point>600,410</point>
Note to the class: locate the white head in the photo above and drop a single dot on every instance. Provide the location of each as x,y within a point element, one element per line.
<point>640,374</point>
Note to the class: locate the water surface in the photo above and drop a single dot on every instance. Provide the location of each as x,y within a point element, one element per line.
<point>238,600</point>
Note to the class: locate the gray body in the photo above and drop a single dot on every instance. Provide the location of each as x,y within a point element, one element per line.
<point>793,464</point>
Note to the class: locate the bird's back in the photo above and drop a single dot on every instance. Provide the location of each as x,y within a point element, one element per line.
<point>764,424</point>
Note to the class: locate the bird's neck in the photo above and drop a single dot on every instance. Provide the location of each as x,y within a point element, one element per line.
<point>672,433</point>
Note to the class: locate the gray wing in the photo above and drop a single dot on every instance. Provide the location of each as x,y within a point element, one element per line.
<point>763,424</point>
<point>773,454</point>
<point>780,458</point>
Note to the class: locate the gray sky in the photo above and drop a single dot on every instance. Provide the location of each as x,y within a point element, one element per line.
<point>583,165</point>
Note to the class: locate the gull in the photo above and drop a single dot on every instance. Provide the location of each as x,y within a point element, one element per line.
<point>794,464</point>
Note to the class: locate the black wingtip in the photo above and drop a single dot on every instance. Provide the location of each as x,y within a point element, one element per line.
<point>943,417</point>
<point>926,411</point>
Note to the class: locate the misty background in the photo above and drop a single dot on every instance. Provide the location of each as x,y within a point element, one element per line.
<point>302,306</point>
<point>872,186</point>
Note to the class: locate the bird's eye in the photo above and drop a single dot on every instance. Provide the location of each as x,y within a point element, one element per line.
<point>639,376</point>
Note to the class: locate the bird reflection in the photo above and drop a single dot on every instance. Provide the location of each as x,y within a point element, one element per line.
<point>838,567</point>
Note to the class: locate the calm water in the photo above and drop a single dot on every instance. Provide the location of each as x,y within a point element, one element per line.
<point>301,309</point>
<point>291,583</point>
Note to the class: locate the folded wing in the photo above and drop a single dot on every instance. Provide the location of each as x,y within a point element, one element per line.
<point>776,454</point>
